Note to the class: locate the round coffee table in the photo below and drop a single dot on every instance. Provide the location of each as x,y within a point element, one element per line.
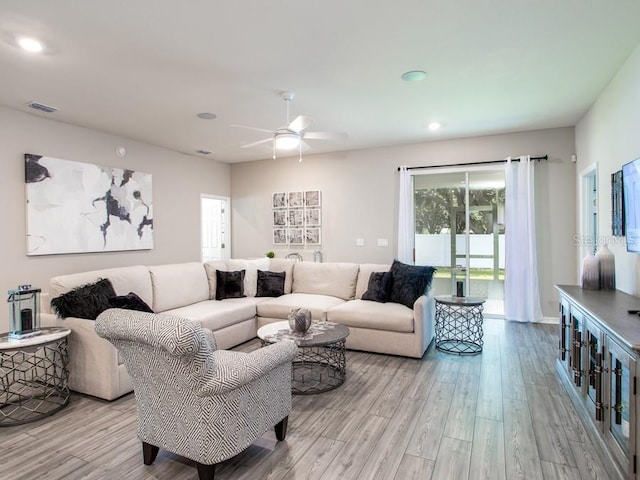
<point>459,324</point>
<point>33,376</point>
<point>321,363</point>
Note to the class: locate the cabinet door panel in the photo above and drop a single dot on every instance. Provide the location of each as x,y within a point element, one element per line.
<point>564,352</point>
<point>594,351</point>
<point>621,399</point>
<point>576,360</point>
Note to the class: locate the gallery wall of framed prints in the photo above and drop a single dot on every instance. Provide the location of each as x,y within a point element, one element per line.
<point>297,218</point>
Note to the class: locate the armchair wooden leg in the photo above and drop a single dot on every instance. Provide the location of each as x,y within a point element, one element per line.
<point>206,472</point>
<point>281,429</point>
<point>149,453</point>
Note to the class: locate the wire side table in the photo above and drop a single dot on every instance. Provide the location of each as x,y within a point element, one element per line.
<point>459,324</point>
<point>33,376</point>
<point>321,363</point>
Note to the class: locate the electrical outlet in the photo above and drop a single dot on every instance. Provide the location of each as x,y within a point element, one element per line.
<point>383,242</point>
<point>359,242</point>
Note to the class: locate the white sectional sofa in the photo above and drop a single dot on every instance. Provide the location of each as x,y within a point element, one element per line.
<point>332,291</point>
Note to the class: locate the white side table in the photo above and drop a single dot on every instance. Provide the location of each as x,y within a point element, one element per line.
<point>33,376</point>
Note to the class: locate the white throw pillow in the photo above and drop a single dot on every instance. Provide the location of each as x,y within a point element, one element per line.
<point>251,268</point>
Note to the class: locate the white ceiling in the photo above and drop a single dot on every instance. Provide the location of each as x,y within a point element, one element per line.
<point>143,69</point>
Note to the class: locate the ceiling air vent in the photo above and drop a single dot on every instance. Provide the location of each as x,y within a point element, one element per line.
<point>42,107</point>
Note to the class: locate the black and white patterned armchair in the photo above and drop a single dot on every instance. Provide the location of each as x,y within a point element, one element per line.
<point>194,400</point>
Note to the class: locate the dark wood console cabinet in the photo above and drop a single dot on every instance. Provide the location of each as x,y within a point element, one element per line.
<point>599,347</point>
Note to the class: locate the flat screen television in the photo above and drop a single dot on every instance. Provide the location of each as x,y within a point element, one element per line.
<point>631,188</point>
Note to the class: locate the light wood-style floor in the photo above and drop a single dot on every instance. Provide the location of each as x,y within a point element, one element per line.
<point>499,415</point>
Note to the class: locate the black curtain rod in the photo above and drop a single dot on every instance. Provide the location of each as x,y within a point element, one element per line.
<point>545,157</point>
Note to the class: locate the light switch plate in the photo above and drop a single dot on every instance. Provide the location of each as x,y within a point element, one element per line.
<point>383,242</point>
<point>359,242</point>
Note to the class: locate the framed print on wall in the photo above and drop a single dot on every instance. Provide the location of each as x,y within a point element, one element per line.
<point>279,218</point>
<point>296,200</point>
<point>312,199</point>
<point>296,236</point>
<point>279,236</point>
<point>312,236</point>
<point>77,207</point>
<point>279,200</point>
<point>296,217</point>
<point>312,217</point>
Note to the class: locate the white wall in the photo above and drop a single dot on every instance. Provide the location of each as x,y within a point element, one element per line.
<point>360,189</point>
<point>609,135</point>
<point>178,181</point>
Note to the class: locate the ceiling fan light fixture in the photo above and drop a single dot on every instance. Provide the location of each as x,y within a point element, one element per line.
<point>30,44</point>
<point>287,141</point>
<point>433,126</point>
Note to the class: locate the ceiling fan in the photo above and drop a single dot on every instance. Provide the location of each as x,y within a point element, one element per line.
<point>294,134</point>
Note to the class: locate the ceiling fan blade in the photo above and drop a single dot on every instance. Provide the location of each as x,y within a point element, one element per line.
<point>325,135</point>
<point>300,123</point>
<point>253,128</point>
<point>259,142</point>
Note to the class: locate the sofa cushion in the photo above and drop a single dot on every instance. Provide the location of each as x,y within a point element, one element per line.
<point>392,317</point>
<point>85,301</point>
<point>130,301</point>
<point>283,265</point>
<point>408,282</point>
<point>124,280</point>
<point>364,273</point>
<point>177,285</point>
<point>229,284</point>
<point>216,314</point>
<point>332,279</point>
<point>281,306</point>
<point>270,284</point>
<point>378,289</point>
<point>211,267</point>
<point>251,268</point>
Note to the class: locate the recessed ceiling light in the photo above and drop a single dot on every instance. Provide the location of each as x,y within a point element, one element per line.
<point>206,116</point>
<point>30,44</point>
<point>204,152</point>
<point>433,126</point>
<point>414,76</point>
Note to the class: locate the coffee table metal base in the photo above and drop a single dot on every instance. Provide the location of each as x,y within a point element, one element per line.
<point>318,369</point>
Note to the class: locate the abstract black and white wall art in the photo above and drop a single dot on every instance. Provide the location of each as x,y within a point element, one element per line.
<point>76,207</point>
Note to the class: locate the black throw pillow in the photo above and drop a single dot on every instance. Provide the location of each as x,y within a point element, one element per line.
<point>408,282</point>
<point>229,284</point>
<point>85,301</point>
<point>270,284</point>
<point>130,301</point>
<point>378,287</point>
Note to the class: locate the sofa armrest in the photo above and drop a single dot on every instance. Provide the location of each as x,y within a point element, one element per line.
<point>235,369</point>
<point>424,321</point>
<point>93,361</point>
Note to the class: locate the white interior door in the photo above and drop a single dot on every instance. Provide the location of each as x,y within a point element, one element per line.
<point>215,228</point>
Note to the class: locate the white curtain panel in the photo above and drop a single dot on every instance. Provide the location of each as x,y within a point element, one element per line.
<point>521,291</point>
<point>405,218</point>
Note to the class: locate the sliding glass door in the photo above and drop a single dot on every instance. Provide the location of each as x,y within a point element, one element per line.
<point>459,219</point>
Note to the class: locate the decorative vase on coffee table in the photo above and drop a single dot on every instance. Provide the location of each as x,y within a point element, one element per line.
<point>299,320</point>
